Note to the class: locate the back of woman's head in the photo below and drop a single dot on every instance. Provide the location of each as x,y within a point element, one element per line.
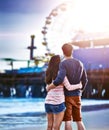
<point>52,69</point>
<point>55,60</point>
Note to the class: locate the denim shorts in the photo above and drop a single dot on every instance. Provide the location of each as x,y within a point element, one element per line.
<point>50,108</point>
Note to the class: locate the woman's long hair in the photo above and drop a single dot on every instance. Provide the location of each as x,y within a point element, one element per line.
<point>52,69</point>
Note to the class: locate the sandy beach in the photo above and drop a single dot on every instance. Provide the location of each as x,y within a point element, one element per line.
<point>93,120</point>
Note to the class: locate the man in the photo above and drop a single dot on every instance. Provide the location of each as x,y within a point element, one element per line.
<point>75,72</point>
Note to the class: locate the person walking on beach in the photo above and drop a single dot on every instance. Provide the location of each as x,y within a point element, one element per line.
<point>75,72</point>
<point>55,99</point>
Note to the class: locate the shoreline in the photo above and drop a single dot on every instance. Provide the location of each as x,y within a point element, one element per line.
<point>30,117</point>
<point>39,127</point>
<point>93,120</point>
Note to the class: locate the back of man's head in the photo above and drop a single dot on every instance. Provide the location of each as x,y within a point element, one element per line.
<point>67,49</point>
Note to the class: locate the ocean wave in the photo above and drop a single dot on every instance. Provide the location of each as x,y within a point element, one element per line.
<point>21,106</point>
<point>25,114</point>
<point>15,113</point>
<point>16,121</point>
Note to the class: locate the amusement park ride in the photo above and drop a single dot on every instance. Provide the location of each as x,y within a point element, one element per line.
<point>94,57</point>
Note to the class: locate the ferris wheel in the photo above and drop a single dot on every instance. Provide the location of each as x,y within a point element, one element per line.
<point>75,21</point>
<point>58,27</point>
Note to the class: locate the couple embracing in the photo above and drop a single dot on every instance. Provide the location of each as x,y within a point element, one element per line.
<point>65,81</point>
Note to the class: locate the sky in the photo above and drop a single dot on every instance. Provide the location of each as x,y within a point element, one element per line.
<point>19,19</point>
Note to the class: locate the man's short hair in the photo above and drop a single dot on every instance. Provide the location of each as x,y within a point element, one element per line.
<point>67,49</point>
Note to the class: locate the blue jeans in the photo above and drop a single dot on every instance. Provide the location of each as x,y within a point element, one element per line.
<point>50,108</point>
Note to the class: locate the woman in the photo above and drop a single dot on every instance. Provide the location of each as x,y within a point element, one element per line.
<point>54,101</point>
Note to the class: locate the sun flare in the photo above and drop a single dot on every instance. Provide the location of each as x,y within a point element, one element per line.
<point>88,16</point>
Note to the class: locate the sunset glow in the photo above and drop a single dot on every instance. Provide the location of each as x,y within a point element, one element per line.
<point>89,16</point>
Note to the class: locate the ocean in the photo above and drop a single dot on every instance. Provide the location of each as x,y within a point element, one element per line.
<point>15,112</point>
<point>24,112</point>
